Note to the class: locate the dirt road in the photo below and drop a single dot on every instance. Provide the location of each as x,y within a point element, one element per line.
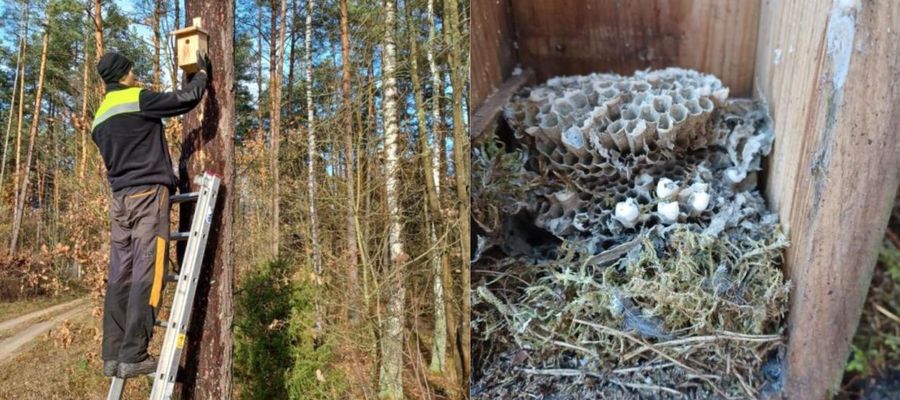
<point>32,325</point>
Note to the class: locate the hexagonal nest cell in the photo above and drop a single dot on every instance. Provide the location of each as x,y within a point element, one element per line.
<point>624,249</point>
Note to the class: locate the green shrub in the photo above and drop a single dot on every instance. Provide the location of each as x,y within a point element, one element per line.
<point>310,377</point>
<point>262,349</point>
<point>278,352</point>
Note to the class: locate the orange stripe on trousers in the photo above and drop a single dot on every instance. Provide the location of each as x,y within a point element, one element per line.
<point>156,289</point>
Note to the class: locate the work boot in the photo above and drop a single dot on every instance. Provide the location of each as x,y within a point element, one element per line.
<point>110,368</point>
<point>130,370</point>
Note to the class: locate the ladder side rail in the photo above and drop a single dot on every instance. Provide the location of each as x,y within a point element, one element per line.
<point>180,313</point>
<point>116,387</point>
<point>164,379</point>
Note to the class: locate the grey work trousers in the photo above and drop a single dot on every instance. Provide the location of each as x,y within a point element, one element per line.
<point>137,263</point>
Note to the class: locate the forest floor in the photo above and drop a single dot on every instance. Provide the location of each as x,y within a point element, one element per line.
<point>17,333</point>
<point>873,371</point>
<point>13,309</point>
<point>54,352</point>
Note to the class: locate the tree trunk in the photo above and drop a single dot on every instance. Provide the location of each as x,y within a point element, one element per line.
<point>363,194</point>
<point>157,71</point>
<point>352,249</point>
<point>20,199</point>
<point>311,152</point>
<point>391,373</point>
<point>275,62</point>
<point>207,372</point>
<point>56,158</point>
<point>85,83</point>
<point>259,85</point>
<point>98,40</point>
<point>290,80</point>
<point>20,118</point>
<point>39,197</point>
<point>435,99</point>
<point>458,72</point>
<point>174,51</point>
<point>439,362</point>
<point>20,74</point>
<point>456,357</point>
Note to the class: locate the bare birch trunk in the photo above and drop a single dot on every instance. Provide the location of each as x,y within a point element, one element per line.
<point>391,372</point>
<point>311,151</point>
<point>20,199</point>
<point>432,214</point>
<point>456,362</point>
<point>435,98</point>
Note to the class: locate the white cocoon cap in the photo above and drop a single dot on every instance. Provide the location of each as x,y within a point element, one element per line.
<point>699,187</point>
<point>665,188</point>
<point>684,196</point>
<point>627,212</point>
<point>735,175</point>
<point>699,201</point>
<point>668,211</point>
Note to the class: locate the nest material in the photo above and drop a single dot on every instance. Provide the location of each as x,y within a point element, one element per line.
<point>685,301</point>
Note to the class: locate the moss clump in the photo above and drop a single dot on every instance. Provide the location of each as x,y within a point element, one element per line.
<point>500,183</point>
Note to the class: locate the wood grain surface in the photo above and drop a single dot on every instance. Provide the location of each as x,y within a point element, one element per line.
<point>828,70</point>
<point>565,37</point>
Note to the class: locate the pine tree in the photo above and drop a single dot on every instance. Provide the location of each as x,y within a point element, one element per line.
<point>209,140</point>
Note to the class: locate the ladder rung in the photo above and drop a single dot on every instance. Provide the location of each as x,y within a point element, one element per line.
<point>171,278</point>
<point>179,236</point>
<point>182,197</point>
<point>161,323</point>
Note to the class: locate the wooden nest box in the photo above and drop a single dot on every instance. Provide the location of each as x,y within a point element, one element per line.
<point>188,41</point>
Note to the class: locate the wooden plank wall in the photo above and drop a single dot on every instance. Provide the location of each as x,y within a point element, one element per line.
<point>564,37</point>
<point>828,70</point>
<point>493,54</point>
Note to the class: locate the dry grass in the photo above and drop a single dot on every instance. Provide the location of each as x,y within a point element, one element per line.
<point>697,316</point>
<point>13,309</point>
<point>51,370</point>
<point>65,364</point>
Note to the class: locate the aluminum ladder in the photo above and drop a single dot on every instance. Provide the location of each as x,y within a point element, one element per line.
<point>188,275</point>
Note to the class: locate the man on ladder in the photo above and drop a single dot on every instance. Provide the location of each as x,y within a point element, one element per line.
<point>128,131</point>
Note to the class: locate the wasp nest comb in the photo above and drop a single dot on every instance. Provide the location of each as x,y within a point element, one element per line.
<point>604,115</point>
<point>621,212</point>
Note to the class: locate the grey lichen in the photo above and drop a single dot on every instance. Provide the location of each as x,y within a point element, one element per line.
<point>659,269</point>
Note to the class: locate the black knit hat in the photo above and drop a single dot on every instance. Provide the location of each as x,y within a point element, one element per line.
<point>113,67</point>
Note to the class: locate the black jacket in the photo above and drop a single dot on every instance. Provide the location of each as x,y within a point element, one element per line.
<point>131,140</point>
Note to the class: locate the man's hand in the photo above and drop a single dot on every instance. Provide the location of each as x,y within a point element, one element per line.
<point>203,62</point>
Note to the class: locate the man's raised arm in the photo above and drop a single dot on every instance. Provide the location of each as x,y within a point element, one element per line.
<point>170,104</point>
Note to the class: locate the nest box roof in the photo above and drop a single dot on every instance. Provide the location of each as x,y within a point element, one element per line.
<point>190,30</point>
